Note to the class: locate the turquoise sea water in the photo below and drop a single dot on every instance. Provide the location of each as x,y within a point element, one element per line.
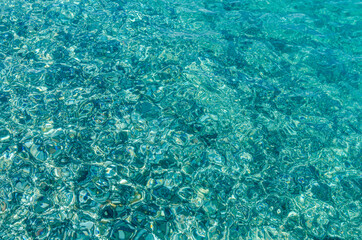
<point>176,120</point>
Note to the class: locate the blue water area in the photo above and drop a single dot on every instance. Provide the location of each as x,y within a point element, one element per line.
<point>177,120</point>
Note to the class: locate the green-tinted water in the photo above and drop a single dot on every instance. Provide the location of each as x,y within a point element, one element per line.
<point>213,119</point>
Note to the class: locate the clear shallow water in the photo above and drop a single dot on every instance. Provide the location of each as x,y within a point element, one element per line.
<point>180,120</point>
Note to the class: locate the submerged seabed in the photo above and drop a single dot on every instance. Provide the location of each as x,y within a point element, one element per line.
<point>180,119</point>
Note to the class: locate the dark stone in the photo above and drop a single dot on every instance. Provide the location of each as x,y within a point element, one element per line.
<point>167,162</point>
<point>209,138</point>
<point>352,188</point>
<point>322,192</point>
<point>4,97</point>
<point>163,192</point>
<point>139,219</point>
<point>169,215</point>
<point>304,175</point>
<point>82,174</point>
<point>123,137</point>
<point>60,53</point>
<point>127,194</point>
<point>148,209</point>
<point>108,212</point>
<point>141,178</point>
<point>147,109</point>
<point>162,228</point>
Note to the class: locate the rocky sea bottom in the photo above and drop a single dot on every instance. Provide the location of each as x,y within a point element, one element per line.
<point>176,120</point>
